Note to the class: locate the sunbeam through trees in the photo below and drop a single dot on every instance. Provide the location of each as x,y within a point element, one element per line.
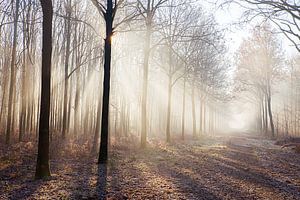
<point>149,99</point>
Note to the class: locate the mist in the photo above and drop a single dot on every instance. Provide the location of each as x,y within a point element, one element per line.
<point>149,99</point>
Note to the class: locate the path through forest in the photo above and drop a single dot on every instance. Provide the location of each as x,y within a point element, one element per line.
<point>213,168</point>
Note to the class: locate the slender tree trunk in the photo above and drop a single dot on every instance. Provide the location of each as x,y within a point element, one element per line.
<point>12,75</point>
<point>67,58</point>
<point>97,130</point>
<point>77,124</point>
<point>14,110</point>
<point>42,166</point>
<point>263,117</point>
<point>277,125</point>
<point>201,116</point>
<point>266,116</point>
<point>103,154</point>
<point>183,109</point>
<point>168,131</point>
<point>116,125</point>
<point>23,91</point>
<point>204,117</point>
<point>271,116</point>
<point>145,86</point>
<point>194,110</point>
<point>4,98</point>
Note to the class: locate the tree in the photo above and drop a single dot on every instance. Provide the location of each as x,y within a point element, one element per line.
<point>42,166</point>
<point>177,18</point>
<point>147,10</point>
<point>258,68</point>
<point>11,97</point>
<point>66,113</point>
<point>109,14</point>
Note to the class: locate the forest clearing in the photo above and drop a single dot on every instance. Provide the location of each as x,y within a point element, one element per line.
<point>150,99</point>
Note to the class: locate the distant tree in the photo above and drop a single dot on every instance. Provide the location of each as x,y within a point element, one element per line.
<point>42,166</point>
<point>148,10</point>
<point>12,84</point>
<point>193,50</point>
<point>177,21</point>
<point>259,62</point>
<point>68,26</point>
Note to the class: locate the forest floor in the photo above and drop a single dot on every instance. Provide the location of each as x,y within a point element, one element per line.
<point>234,167</point>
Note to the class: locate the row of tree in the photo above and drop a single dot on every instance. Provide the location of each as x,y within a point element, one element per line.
<point>270,81</point>
<point>154,52</point>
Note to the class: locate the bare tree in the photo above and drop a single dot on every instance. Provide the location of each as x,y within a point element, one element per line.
<point>42,166</point>
<point>11,103</point>
<point>259,62</point>
<point>148,10</point>
<point>108,11</point>
<point>283,13</point>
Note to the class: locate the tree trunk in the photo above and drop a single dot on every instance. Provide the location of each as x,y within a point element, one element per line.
<point>68,38</point>
<point>4,91</point>
<point>168,131</point>
<point>183,109</point>
<point>201,116</point>
<point>145,86</point>
<point>97,130</point>
<point>263,116</point>
<point>204,117</point>
<point>42,166</point>
<point>194,110</point>
<point>271,116</point>
<point>103,154</point>
<point>23,90</point>
<point>12,76</point>
<point>266,116</point>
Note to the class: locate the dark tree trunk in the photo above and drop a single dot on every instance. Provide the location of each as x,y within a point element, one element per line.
<point>106,84</point>
<point>42,166</point>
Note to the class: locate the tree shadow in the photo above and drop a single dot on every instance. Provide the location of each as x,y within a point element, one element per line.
<point>237,162</point>
<point>21,177</point>
<point>259,178</point>
<point>178,183</point>
<point>248,169</point>
<point>188,185</point>
<point>83,173</point>
<point>101,189</point>
<point>27,189</point>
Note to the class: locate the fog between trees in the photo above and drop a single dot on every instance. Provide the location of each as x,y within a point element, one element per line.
<point>142,70</point>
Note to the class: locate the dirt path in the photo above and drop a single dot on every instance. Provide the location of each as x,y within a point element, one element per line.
<point>235,168</point>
